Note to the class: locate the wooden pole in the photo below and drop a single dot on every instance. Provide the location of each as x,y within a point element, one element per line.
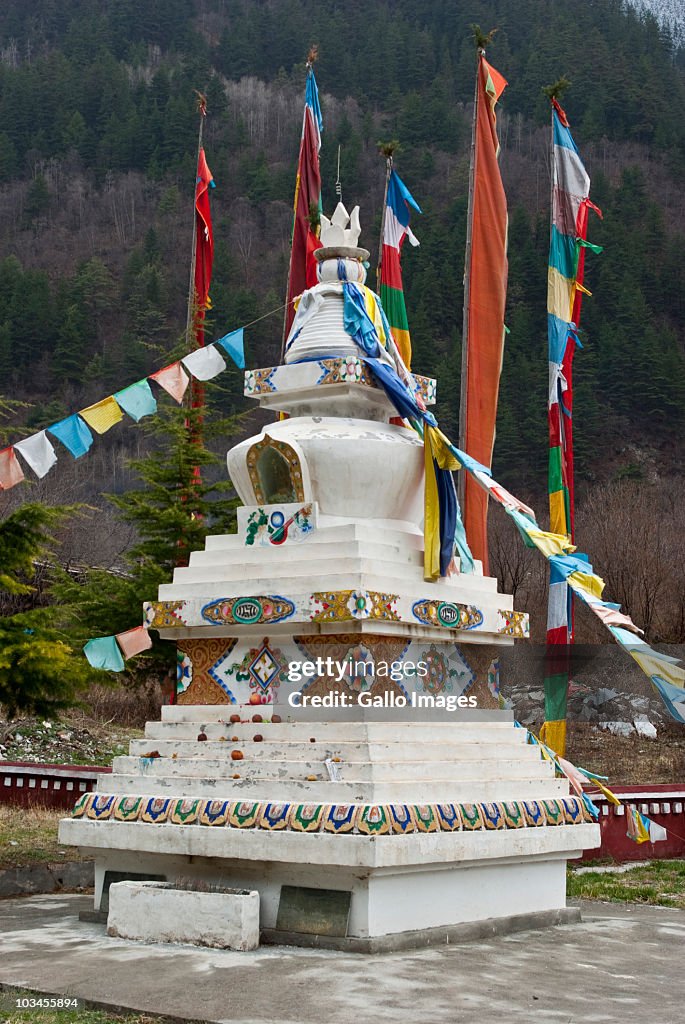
<point>463,410</point>
<point>190,319</point>
<point>196,391</point>
<point>311,59</point>
<point>388,172</point>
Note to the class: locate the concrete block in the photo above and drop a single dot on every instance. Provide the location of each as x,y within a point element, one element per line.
<point>171,912</point>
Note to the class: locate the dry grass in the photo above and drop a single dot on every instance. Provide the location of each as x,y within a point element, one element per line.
<point>122,705</point>
<point>29,836</point>
<point>629,760</point>
<point>660,883</point>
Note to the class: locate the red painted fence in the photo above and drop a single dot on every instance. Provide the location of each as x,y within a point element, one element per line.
<point>664,804</point>
<point>25,783</point>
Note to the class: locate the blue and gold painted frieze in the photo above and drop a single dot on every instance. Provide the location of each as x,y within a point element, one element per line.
<point>335,819</point>
<point>316,373</point>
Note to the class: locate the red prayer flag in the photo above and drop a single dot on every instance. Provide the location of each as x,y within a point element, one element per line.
<point>204,248</point>
<point>11,472</point>
<point>307,196</point>
<point>485,313</point>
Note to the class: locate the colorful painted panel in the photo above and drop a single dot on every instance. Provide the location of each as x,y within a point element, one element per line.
<point>244,814</point>
<point>374,821</point>
<point>493,816</point>
<point>100,807</point>
<point>426,817</point>
<point>155,810</point>
<point>447,614</point>
<point>274,817</point>
<point>163,614</point>
<point>346,605</point>
<point>447,670</point>
<point>449,817</point>
<point>248,610</point>
<point>127,808</point>
<point>305,817</point>
<point>514,624</point>
<point>184,812</point>
<point>214,812</point>
<point>319,372</point>
<point>206,685</point>
<point>273,525</point>
<point>338,819</point>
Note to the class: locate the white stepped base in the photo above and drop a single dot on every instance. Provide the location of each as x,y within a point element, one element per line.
<point>485,723</point>
<point>323,791</point>
<point>351,771</point>
<point>407,883</point>
<point>401,884</point>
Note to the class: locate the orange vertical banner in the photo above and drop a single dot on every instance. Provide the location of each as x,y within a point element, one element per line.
<point>487,275</point>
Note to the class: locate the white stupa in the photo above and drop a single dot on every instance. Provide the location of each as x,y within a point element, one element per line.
<point>360,827</point>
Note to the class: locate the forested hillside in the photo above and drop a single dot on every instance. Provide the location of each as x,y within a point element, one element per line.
<point>97,148</point>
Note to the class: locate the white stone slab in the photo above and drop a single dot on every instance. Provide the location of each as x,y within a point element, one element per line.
<point>160,912</point>
<point>323,848</point>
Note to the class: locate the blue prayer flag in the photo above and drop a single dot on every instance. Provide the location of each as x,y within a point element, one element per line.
<point>137,400</point>
<point>233,345</point>
<point>74,434</point>
<point>103,652</point>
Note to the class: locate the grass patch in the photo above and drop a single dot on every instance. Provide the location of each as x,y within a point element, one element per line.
<point>28,835</point>
<point>75,1017</point>
<point>660,883</point>
<point>10,1015</point>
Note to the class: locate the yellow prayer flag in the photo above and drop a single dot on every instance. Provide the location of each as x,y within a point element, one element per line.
<point>102,415</point>
<point>652,665</point>
<point>557,512</point>
<point>442,452</point>
<point>587,582</point>
<point>560,291</point>
<point>551,543</point>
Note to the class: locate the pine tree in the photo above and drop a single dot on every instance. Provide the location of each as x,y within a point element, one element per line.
<point>172,510</point>
<point>41,672</point>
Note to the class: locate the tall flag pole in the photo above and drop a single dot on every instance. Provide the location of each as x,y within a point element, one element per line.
<point>202,256</point>
<point>485,287</point>
<point>570,206</point>
<point>397,205</point>
<point>307,203</point>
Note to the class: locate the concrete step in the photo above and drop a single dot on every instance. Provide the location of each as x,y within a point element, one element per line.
<point>264,573</point>
<point>329,533</point>
<point>285,554</point>
<point>216,748</point>
<point>281,733</point>
<point>389,579</point>
<point>283,790</point>
<point>484,723</point>
<point>486,754</point>
<point>299,768</point>
<point>274,750</point>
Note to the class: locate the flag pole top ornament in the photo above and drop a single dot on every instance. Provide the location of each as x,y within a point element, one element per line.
<point>339,236</point>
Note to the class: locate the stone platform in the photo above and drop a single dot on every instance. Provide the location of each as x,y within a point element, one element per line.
<point>416,829</point>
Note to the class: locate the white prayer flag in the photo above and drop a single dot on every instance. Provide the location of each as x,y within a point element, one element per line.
<point>204,363</point>
<point>38,453</point>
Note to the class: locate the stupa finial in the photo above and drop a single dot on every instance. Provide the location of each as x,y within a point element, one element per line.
<point>342,229</point>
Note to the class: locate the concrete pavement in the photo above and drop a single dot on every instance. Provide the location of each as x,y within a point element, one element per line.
<point>622,963</point>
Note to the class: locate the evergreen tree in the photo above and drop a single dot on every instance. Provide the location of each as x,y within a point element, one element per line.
<point>40,671</point>
<point>172,510</point>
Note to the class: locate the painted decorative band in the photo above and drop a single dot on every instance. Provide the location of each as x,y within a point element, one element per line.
<point>339,819</point>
